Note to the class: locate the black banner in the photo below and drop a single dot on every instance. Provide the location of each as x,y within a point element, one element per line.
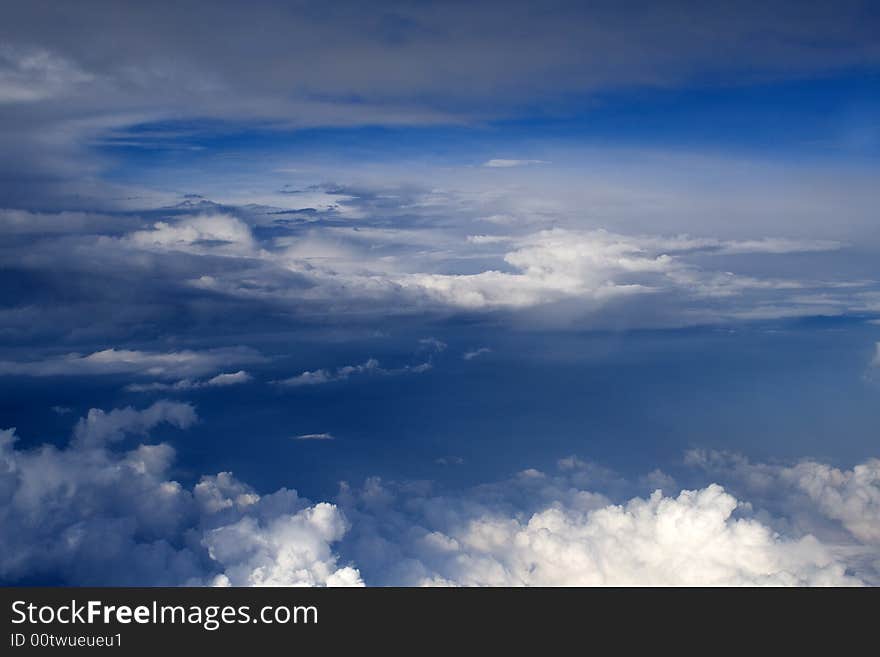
<point>128,621</point>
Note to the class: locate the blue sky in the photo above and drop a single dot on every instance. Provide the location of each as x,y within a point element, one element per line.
<point>439,294</point>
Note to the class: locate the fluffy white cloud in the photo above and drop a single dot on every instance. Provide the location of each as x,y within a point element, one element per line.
<point>99,512</point>
<point>167,365</point>
<point>89,514</point>
<point>807,493</point>
<point>285,550</point>
<point>688,540</point>
<point>554,530</point>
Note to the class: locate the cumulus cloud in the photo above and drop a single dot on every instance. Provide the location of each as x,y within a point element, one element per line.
<point>596,266</point>
<point>688,540</point>
<point>164,365</point>
<point>90,513</point>
<point>281,550</point>
<point>99,511</point>
<point>808,493</point>
<point>556,530</point>
<point>551,265</point>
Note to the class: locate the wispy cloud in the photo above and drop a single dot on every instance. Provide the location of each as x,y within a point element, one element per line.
<point>371,366</point>
<point>475,353</point>
<point>164,365</point>
<point>506,164</point>
<point>315,436</point>
<point>219,381</point>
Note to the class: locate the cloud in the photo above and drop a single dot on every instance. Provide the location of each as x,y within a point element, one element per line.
<point>213,233</point>
<point>433,344</point>
<point>688,540</point>
<point>488,239</point>
<point>559,529</point>
<point>824,498</point>
<point>231,379</point>
<point>475,353</point>
<point>411,251</point>
<point>89,513</point>
<point>97,512</point>
<point>315,436</point>
<point>551,265</point>
<point>100,427</point>
<point>30,74</point>
<point>219,381</point>
<point>506,164</point>
<point>281,550</point>
<point>317,377</point>
<point>370,366</point>
<point>164,365</point>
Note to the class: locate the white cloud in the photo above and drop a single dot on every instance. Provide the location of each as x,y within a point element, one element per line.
<point>95,513</point>
<point>370,366</point>
<point>488,239</point>
<point>315,436</point>
<point>281,550</point>
<point>219,234</point>
<point>475,353</point>
<point>807,492</point>
<point>90,514</point>
<point>99,427</point>
<point>164,365</point>
<point>435,265</point>
<point>688,540</point>
<point>219,381</point>
<point>317,377</point>
<point>231,379</point>
<point>552,265</point>
<point>506,164</point>
<point>552,530</point>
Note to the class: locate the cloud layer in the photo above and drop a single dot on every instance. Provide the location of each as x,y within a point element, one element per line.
<point>100,512</point>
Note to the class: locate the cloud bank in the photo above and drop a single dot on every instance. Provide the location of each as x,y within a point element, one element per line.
<point>99,511</point>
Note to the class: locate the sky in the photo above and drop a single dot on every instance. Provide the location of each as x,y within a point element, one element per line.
<point>462,293</point>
